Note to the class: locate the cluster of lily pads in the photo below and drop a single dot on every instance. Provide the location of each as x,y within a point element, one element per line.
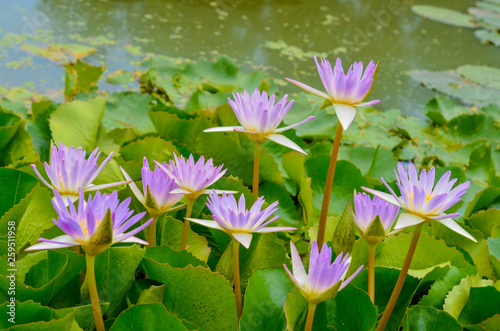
<point>192,275</point>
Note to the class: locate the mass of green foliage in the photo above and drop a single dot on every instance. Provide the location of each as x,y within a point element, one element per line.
<point>163,108</point>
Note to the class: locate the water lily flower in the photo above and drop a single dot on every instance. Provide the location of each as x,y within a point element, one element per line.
<point>81,226</point>
<point>157,187</point>
<point>193,178</point>
<point>260,117</point>
<point>232,217</point>
<point>366,210</point>
<point>70,171</point>
<point>325,278</point>
<point>345,92</point>
<point>422,201</point>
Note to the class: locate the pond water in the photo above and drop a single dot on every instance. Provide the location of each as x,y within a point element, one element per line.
<point>279,36</point>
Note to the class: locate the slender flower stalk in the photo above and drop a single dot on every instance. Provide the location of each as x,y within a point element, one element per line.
<point>260,117</point>
<point>371,271</point>
<point>328,185</point>
<point>156,196</point>
<point>310,316</point>
<point>193,180</point>
<point>374,220</point>
<point>423,203</point>
<point>240,223</point>
<point>324,280</point>
<point>99,223</point>
<point>94,295</point>
<point>345,92</point>
<point>256,165</point>
<point>69,170</point>
<point>401,279</point>
<point>237,283</point>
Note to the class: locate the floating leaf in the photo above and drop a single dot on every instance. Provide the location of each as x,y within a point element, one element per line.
<point>429,318</point>
<point>264,300</point>
<point>170,234</point>
<point>444,15</point>
<point>146,317</point>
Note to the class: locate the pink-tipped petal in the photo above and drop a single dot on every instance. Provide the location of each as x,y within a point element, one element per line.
<point>310,118</point>
<point>309,89</point>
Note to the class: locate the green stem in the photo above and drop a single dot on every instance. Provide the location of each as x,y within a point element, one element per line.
<point>401,278</point>
<point>94,296</point>
<point>152,232</point>
<point>328,186</point>
<point>310,317</point>
<point>256,165</point>
<point>371,271</point>
<point>185,230</point>
<point>237,285</point>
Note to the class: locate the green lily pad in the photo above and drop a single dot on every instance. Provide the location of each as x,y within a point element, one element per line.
<point>153,148</point>
<point>430,318</point>
<point>171,232</point>
<point>146,317</point>
<point>264,300</point>
<point>77,123</point>
<point>198,295</point>
<point>445,15</point>
<point>115,274</point>
<point>41,275</point>
<point>266,251</point>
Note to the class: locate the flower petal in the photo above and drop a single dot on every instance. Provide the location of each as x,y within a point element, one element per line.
<point>309,89</point>
<point>207,223</point>
<point>268,229</point>
<point>223,129</point>
<point>384,196</point>
<point>282,140</point>
<point>243,238</point>
<point>310,118</point>
<point>133,239</point>
<point>345,114</point>
<point>92,187</point>
<point>219,191</point>
<point>57,242</point>
<point>138,194</point>
<point>452,225</point>
<point>406,219</point>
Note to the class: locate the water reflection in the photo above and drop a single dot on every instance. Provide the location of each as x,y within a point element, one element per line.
<point>354,29</point>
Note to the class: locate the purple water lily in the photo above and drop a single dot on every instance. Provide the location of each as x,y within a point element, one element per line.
<point>232,217</point>
<point>345,92</point>
<point>260,117</point>
<point>193,178</point>
<point>80,225</point>
<point>70,171</point>
<point>365,211</point>
<point>422,201</point>
<point>320,283</point>
<point>159,185</point>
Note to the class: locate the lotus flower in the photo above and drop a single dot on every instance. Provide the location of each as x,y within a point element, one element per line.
<point>81,227</point>
<point>193,178</point>
<point>157,186</point>
<point>324,279</point>
<point>366,210</point>
<point>345,91</point>
<point>260,117</point>
<point>422,201</point>
<point>238,222</point>
<point>70,171</point>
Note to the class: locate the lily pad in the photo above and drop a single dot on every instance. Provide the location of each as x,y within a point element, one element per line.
<point>445,15</point>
